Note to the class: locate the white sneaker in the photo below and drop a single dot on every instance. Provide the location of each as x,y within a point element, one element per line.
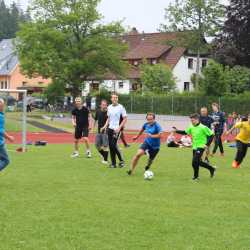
<point>105,162</point>
<point>75,154</point>
<point>88,154</point>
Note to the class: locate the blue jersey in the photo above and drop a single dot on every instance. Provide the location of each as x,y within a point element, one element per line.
<point>152,129</point>
<point>1,128</point>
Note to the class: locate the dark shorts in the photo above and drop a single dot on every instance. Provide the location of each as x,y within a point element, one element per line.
<point>151,151</point>
<point>81,132</point>
<point>101,140</point>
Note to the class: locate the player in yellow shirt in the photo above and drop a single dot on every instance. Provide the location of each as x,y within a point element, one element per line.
<point>242,141</point>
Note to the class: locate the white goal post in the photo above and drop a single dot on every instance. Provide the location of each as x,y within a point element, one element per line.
<point>24,116</point>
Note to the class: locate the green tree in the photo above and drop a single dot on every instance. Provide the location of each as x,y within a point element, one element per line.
<point>213,82</point>
<point>157,78</point>
<point>196,19</point>
<point>238,79</point>
<point>54,92</point>
<point>10,18</point>
<point>232,45</point>
<point>67,43</point>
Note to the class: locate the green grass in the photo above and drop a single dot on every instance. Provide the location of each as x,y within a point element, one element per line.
<point>50,201</point>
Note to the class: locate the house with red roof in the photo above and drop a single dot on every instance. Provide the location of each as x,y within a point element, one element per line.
<point>154,48</point>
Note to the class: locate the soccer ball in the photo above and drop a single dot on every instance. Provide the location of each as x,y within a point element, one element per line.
<point>148,175</point>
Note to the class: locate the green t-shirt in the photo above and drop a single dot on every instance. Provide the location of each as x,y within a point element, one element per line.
<point>199,135</point>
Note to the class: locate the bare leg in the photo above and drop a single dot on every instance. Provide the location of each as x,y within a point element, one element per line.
<point>135,159</point>
<point>86,141</point>
<point>76,145</point>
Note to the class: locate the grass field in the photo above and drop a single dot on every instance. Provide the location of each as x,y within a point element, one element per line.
<point>50,201</point>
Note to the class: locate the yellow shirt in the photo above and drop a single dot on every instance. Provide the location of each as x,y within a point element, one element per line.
<point>244,135</point>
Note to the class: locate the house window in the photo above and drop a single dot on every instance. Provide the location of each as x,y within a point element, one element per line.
<point>121,85</point>
<point>95,86</point>
<point>24,84</point>
<point>190,63</point>
<point>186,86</point>
<point>153,61</point>
<point>6,85</point>
<point>136,63</point>
<point>2,86</point>
<point>204,63</point>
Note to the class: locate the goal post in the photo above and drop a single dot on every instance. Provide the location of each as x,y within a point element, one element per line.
<point>24,115</point>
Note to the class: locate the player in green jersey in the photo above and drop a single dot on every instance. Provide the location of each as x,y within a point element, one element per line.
<point>201,138</point>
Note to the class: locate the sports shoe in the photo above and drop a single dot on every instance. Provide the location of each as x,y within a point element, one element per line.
<point>212,171</point>
<point>235,164</point>
<point>195,179</point>
<point>129,172</point>
<point>112,166</point>
<point>75,154</point>
<point>105,162</point>
<point>122,164</point>
<point>88,154</point>
<point>127,146</point>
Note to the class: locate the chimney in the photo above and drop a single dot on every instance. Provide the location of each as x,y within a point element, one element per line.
<point>134,31</point>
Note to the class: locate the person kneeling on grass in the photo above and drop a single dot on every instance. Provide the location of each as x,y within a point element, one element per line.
<point>201,137</point>
<point>4,158</point>
<point>242,141</point>
<point>151,145</point>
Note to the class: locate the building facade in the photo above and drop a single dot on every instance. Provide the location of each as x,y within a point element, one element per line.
<point>153,48</point>
<point>11,76</point>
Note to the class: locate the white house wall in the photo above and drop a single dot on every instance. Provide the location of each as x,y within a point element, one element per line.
<point>183,74</point>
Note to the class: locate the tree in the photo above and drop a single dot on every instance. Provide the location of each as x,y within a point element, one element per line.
<point>10,18</point>
<point>196,19</point>
<point>232,45</point>
<point>238,79</point>
<point>157,78</point>
<point>67,43</point>
<point>213,82</point>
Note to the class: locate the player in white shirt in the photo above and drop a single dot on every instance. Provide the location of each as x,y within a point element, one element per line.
<point>115,111</point>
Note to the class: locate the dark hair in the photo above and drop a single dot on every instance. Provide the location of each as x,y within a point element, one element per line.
<point>195,116</point>
<point>244,118</point>
<point>114,93</point>
<point>216,104</point>
<point>150,114</point>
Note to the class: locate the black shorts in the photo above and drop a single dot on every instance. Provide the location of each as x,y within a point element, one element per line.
<point>81,132</point>
<point>151,151</point>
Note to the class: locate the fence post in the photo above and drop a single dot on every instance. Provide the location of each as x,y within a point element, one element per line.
<point>152,103</point>
<point>131,104</point>
<point>172,106</point>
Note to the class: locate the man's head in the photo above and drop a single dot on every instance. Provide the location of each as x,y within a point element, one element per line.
<point>204,111</point>
<point>195,119</point>
<point>78,102</point>
<point>1,105</point>
<point>104,104</point>
<point>215,107</point>
<point>114,99</point>
<point>150,118</point>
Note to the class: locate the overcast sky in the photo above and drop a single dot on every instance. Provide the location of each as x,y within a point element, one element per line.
<point>145,15</point>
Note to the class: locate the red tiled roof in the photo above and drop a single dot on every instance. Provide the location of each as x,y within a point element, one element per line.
<point>153,46</point>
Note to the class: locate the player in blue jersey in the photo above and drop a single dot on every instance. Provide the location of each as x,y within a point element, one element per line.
<point>4,158</point>
<point>151,144</point>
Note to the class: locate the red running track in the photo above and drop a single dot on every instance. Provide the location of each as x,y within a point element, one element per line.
<point>68,138</point>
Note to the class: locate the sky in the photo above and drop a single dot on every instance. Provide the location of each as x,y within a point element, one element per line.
<point>145,15</point>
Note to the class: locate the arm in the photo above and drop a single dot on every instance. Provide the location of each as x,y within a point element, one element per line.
<point>230,130</point>
<point>8,137</point>
<point>139,134</point>
<point>90,121</point>
<point>73,120</point>
<point>123,123</point>
<point>105,126</point>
